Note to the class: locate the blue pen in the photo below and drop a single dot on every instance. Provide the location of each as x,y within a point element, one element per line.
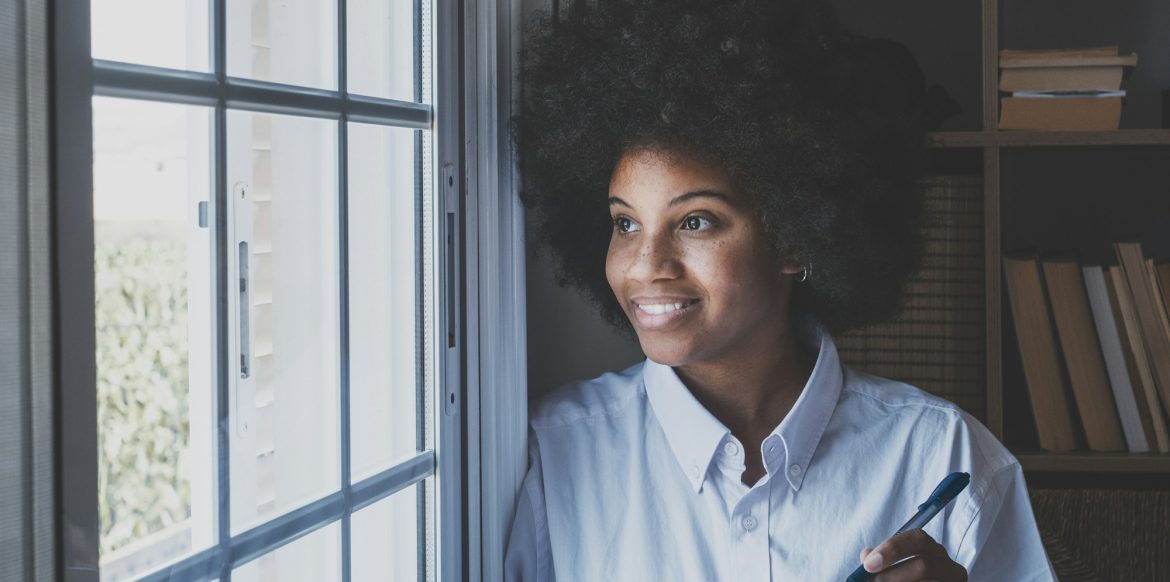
<point>943,494</point>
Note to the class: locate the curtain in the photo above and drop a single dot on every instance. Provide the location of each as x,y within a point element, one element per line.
<point>26,370</point>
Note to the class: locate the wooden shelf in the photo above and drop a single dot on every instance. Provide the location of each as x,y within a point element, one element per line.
<point>1088,462</point>
<point>977,139</point>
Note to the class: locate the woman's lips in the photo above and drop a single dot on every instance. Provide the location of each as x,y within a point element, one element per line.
<point>658,315</point>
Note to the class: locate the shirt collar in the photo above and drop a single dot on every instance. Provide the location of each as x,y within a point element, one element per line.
<point>695,434</point>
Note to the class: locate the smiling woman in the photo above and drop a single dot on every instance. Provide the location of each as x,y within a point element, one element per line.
<point>687,252</point>
<point>761,170</point>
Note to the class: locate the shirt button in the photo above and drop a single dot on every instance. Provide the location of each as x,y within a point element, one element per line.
<point>794,470</point>
<point>749,523</point>
<point>730,449</point>
<point>696,471</point>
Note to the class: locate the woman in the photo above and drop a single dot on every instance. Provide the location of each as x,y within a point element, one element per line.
<point>760,170</point>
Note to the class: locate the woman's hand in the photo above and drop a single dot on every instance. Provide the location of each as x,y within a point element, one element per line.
<point>928,560</point>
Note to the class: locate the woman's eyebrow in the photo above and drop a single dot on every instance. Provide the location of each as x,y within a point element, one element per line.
<point>699,194</point>
<point>678,199</point>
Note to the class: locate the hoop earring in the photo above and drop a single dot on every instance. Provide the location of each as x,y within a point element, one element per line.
<point>804,273</point>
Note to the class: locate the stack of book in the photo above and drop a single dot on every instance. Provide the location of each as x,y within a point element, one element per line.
<point>1101,333</point>
<point>1062,89</point>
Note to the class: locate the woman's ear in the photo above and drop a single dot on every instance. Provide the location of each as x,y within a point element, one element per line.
<point>797,271</point>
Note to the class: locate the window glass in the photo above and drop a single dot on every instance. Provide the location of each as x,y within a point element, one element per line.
<point>315,557</point>
<point>161,33</point>
<point>385,538</point>
<point>151,282</point>
<point>282,181</point>
<point>284,42</point>
<point>383,296</point>
<point>384,33</point>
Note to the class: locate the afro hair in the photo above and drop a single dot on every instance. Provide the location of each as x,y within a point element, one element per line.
<point>822,129</point>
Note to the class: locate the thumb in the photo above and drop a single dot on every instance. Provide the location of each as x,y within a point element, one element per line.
<point>864,552</point>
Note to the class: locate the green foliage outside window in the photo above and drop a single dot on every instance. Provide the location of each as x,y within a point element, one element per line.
<point>142,384</point>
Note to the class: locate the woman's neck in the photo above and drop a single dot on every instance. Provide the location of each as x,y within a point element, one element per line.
<point>751,389</point>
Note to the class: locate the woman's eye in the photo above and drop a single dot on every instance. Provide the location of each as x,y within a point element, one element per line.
<point>624,225</point>
<point>697,223</point>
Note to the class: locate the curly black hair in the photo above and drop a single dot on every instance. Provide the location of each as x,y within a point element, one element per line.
<point>822,129</point>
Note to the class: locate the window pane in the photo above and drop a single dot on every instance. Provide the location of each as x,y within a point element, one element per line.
<point>162,33</point>
<point>152,305</point>
<point>282,182</point>
<point>383,295</point>
<point>284,42</point>
<point>384,538</point>
<point>381,37</point>
<point>314,557</point>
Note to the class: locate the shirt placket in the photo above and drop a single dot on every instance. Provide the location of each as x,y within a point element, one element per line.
<point>749,536</point>
<point>748,527</point>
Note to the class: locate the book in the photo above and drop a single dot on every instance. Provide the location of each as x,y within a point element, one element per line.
<point>1016,55</point>
<point>1104,78</point>
<point>1038,350</point>
<point>1072,114</point>
<point>1161,296</point>
<point>1129,60</point>
<point>1082,353</point>
<point>1150,315</point>
<point>1069,57</point>
<point>1163,269</point>
<point>1133,346</point>
<point>1135,424</point>
<point>1163,322</point>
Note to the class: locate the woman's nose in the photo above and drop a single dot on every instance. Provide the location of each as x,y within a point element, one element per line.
<point>658,257</point>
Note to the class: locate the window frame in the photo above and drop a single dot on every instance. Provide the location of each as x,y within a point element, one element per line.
<point>497,305</point>
<point>76,79</point>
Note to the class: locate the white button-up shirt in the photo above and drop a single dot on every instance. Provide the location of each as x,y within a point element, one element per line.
<point>631,478</point>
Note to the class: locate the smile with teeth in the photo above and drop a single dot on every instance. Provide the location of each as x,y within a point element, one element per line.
<point>660,308</point>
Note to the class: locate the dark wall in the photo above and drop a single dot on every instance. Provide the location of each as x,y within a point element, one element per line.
<point>567,339</point>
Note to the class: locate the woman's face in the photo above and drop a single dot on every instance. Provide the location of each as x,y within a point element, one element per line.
<point>688,260</point>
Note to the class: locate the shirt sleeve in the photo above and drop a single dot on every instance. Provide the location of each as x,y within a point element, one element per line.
<point>528,556</point>
<point>1004,534</point>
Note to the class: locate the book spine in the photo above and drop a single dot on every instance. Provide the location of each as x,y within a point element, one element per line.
<point>1135,341</point>
<point>1082,354</point>
<point>1150,314</point>
<point>1110,341</point>
<point>1038,350</point>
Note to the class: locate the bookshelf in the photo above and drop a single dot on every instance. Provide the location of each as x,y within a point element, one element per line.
<point>1007,139</point>
<point>1012,165</point>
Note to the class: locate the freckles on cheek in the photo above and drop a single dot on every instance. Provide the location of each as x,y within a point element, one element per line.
<point>615,269</point>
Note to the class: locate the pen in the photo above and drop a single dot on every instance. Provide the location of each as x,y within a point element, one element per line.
<point>943,494</point>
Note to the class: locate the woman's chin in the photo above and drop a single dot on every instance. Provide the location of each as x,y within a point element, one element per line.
<point>667,353</point>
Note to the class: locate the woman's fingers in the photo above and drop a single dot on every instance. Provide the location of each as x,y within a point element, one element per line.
<point>923,569</point>
<point>900,546</point>
<point>912,556</point>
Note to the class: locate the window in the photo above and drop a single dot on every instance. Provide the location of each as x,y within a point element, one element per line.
<point>275,330</point>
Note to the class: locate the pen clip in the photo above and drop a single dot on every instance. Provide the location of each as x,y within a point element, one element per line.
<point>947,489</point>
